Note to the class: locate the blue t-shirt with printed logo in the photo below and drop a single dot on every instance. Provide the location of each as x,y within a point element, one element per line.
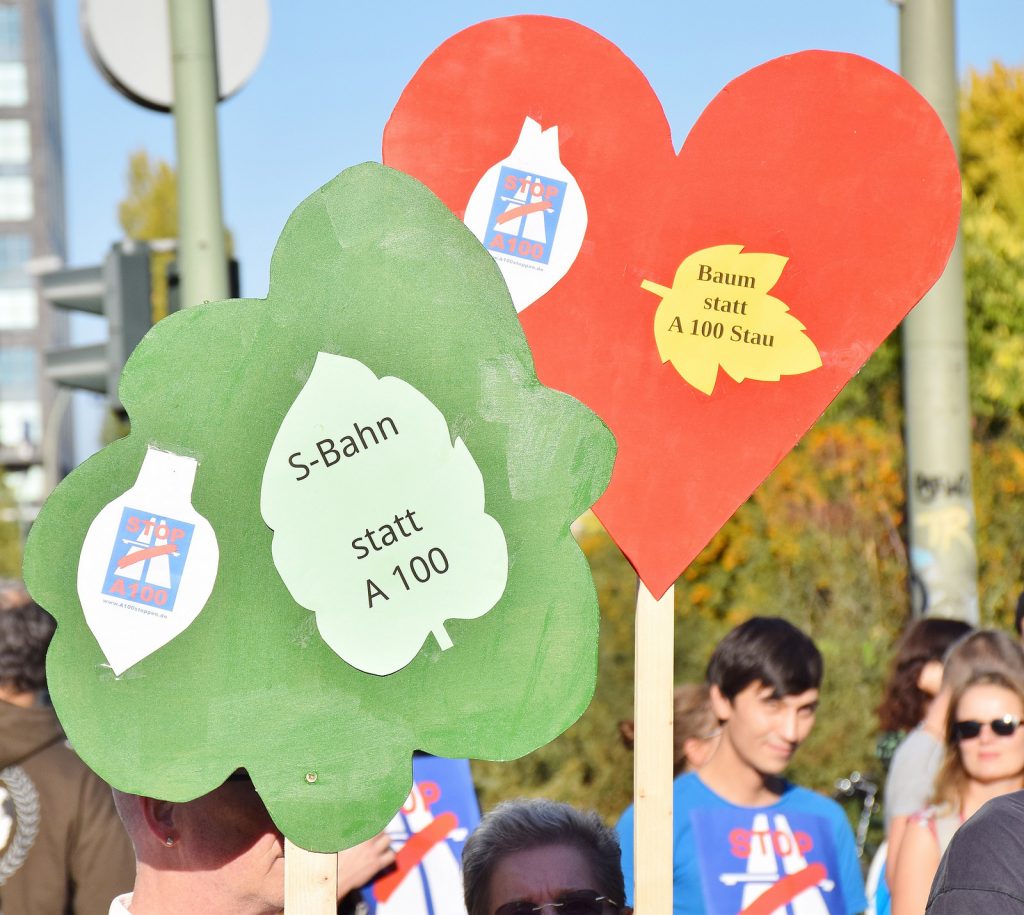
<point>729,859</point>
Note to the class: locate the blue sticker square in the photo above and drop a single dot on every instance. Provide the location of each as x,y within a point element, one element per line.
<point>147,559</point>
<point>524,215</point>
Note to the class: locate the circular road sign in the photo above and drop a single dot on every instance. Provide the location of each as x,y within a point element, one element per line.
<point>131,45</point>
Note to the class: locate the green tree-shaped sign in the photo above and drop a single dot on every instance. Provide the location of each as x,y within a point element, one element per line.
<point>374,424</point>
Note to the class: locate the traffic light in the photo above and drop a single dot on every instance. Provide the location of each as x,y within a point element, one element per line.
<point>174,284</point>
<point>119,288</point>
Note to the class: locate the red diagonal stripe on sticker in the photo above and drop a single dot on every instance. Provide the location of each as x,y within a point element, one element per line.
<point>148,553</point>
<point>523,210</point>
<point>786,890</point>
<point>413,852</point>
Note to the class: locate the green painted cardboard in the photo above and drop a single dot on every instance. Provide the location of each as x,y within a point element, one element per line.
<point>374,268</point>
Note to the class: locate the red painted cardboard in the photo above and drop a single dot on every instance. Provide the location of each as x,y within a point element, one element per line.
<point>825,159</point>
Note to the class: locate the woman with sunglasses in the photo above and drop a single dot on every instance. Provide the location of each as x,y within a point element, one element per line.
<point>984,758</point>
<point>541,856</point>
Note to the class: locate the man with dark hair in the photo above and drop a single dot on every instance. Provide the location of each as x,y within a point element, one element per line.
<point>765,650</point>
<point>529,855</point>
<point>1018,618</point>
<point>62,847</point>
<point>745,838</point>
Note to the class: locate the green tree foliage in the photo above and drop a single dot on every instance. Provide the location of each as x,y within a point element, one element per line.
<point>992,154</point>
<point>10,533</point>
<point>992,138</point>
<point>998,492</point>
<point>821,542</point>
<point>993,259</point>
<point>150,211</point>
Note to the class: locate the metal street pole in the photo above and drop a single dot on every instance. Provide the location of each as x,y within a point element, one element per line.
<point>943,554</point>
<point>201,253</point>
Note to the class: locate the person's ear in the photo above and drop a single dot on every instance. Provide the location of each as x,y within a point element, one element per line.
<point>693,751</point>
<point>160,820</point>
<point>929,680</point>
<point>698,750</point>
<point>721,706</point>
<point>626,731</point>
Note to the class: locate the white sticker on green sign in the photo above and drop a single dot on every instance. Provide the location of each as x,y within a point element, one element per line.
<point>148,562</point>
<point>378,518</point>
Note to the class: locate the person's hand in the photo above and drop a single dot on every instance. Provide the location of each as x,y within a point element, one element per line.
<point>359,864</point>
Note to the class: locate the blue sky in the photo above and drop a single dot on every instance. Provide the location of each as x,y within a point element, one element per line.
<point>334,69</point>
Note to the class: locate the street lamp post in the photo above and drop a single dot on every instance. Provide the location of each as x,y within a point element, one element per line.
<point>941,523</point>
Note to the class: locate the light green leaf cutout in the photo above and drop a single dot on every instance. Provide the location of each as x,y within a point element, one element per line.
<point>375,272</point>
<point>411,545</point>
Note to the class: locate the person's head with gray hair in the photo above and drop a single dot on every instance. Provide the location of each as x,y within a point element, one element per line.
<point>528,853</point>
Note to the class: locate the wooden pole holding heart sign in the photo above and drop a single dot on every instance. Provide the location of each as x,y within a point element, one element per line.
<point>652,749</point>
<point>707,305</point>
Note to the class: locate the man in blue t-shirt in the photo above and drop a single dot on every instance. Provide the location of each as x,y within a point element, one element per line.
<point>746,840</point>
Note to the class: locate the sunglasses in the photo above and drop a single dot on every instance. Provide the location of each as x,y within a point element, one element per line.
<point>575,902</point>
<point>1001,727</point>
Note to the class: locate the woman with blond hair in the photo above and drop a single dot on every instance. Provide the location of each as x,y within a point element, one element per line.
<point>984,758</point>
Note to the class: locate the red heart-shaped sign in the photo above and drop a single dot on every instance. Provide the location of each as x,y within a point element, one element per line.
<point>720,298</point>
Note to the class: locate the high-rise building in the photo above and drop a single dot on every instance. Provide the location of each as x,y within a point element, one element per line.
<point>31,227</point>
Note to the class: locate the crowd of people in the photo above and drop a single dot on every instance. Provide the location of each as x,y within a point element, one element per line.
<point>746,840</point>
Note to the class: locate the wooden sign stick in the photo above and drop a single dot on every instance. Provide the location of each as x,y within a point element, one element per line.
<point>652,751</point>
<point>310,881</point>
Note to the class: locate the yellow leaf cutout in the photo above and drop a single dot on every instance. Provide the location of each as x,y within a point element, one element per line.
<point>718,314</point>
